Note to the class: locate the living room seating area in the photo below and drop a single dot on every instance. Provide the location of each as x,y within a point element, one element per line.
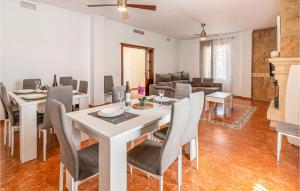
<point>168,82</point>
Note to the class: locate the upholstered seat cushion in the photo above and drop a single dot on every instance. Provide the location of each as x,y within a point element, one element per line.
<point>289,129</point>
<point>146,156</point>
<point>88,161</point>
<point>161,134</point>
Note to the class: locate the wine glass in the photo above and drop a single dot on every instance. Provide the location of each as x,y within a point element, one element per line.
<point>37,85</point>
<point>161,94</point>
<point>121,98</point>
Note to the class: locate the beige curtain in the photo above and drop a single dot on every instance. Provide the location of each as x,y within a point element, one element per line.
<point>206,59</point>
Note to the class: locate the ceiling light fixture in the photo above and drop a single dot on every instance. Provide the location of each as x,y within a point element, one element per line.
<point>203,33</point>
<point>122,5</point>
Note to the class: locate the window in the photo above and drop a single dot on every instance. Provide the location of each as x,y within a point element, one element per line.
<point>221,61</point>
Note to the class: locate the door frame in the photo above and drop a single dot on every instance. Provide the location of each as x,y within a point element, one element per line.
<point>149,60</point>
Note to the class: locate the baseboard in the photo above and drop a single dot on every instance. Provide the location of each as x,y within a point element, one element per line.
<point>241,97</point>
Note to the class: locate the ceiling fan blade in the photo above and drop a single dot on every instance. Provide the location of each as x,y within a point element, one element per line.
<point>139,6</point>
<point>125,15</point>
<point>102,5</point>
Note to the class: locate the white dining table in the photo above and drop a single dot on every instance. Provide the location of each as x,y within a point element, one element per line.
<point>113,139</point>
<point>28,121</point>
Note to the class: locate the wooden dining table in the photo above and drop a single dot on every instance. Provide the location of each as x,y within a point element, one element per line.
<point>28,121</point>
<point>113,138</point>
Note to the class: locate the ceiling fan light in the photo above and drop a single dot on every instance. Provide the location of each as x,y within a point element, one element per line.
<point>202,39</point>
<point>122,5</point>
<point>122,9</point>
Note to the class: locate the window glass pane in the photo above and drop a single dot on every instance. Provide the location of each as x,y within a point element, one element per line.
<point>221,62</point>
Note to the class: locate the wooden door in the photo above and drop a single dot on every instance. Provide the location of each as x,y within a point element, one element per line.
<point>149,61</point>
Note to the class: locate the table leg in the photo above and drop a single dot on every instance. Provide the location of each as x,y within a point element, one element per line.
<point>190,149</point>
<point>206,105</point>
<point>28,132</point>
<point>83,103</point>
<point>112,165</point>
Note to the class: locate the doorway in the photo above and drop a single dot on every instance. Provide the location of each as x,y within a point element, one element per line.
<point>137,66</point>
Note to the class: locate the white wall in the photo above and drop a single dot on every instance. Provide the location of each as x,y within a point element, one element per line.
<point>1,107</point>
<point>39,44</point>
<point>165,52</point>
<point>189,56</point>
<point>51,40</point>
<point>242,63</point>
<point>189,61</point>
<point>107,38</point>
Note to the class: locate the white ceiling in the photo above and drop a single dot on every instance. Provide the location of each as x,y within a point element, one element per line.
<point>182,18</point>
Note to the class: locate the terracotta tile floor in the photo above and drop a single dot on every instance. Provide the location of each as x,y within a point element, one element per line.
<point>230,159</point>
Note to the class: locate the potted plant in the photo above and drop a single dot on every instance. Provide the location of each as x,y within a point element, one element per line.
<point>143,100</point>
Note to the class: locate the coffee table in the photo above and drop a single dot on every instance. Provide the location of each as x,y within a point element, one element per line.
<point>220,97</point>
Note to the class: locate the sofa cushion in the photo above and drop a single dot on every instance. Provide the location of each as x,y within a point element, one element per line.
<point>185,76</point>
<point>207,84</point>
<point>181,82</point>
<point>171,84</point>
<point>176,76</point>
<point>197,82</point>
<point>163,78</point>
<point>211,80</point>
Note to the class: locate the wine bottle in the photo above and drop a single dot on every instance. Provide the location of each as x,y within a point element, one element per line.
<point>127,95</point>
<point>54,81</point>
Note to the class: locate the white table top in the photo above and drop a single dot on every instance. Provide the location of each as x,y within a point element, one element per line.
<point>110,131</point>
<point>221,95</point>
<point>18,98</point>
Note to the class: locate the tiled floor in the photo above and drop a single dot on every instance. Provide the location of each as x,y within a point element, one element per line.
<point>230,159</point>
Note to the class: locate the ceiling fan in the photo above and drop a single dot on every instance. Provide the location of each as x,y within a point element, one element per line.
<point>202,35</point>
<point>122,6</point>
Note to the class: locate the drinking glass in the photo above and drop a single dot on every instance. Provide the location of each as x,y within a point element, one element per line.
<point>161,94</point>
<point>37,85</point>
<point>121,98</point>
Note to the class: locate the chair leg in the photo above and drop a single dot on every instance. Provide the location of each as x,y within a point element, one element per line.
<point>279,141</point>
<point>197,153</point>
<point>9,133</point>
<point>61,177</point>
<point>74,185</point>
<point>12,139</point>
<point>39,133</point>
<point>179,173</point>
<point>44,131</point>
<point>5,131</point>
<point>161,183</point>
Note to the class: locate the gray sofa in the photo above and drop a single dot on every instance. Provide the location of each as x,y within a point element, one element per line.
<point>167,82</point>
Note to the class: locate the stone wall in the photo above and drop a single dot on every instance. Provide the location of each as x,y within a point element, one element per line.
<point>263,43</point>
<point>290,28</point>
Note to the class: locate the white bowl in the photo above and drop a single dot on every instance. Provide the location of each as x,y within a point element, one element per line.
<point>111,112</point>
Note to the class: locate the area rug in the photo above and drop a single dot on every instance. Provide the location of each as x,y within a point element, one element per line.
<point>240,114</point>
